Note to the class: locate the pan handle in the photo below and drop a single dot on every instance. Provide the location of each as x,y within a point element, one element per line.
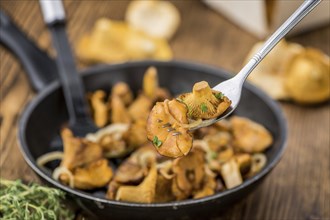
<point>40,68</point>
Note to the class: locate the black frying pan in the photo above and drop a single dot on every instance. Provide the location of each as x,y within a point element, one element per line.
<point>44,116</point>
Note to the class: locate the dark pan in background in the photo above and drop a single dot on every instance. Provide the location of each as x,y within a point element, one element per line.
<point>46,113</point>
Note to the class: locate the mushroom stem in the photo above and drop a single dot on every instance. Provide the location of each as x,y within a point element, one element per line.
<point>202,89</point>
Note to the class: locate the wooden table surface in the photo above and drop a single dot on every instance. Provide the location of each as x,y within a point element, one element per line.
<point>298,188</point>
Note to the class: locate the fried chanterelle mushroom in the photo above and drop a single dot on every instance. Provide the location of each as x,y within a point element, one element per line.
<point>166,128</point>
<point>250,136</point>
<point>82,166</point>
<point>203,103</point>
<point>168,124</point>
<point>189,174</point>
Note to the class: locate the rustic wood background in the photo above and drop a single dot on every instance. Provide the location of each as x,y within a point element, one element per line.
<point>298,188</point>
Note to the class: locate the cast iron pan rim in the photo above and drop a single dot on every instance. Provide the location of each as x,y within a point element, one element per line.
<point>182,64</point>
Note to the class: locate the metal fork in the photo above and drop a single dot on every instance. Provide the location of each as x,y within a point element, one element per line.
<point>232,88</point>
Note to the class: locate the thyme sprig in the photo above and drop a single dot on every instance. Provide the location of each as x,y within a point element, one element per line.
<point>20,201</point>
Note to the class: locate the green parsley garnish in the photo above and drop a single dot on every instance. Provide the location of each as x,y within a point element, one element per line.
<point>218,95</point>
<point>204,107</point>
<point>213,155</point>
<point>157,143</point>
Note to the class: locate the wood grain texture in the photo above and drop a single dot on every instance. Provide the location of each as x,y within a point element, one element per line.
<point>298,188</point>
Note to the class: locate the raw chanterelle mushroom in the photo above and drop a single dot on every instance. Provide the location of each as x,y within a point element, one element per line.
<point>165,128</point>
<point>308,77</point>
<point>203,103</point>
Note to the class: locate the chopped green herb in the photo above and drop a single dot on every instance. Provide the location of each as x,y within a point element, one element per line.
<point>213,155</point>
<point>218,95</point>
<point>157,143</point>
<point>204,107</point>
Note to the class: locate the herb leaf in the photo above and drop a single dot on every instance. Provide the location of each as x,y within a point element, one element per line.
<point>204,108</point>
<point>20,201</point>
<point>219,95</point>
<point>156,142</point>
<point>213,155</point>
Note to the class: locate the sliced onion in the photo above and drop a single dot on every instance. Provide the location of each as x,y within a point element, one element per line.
<point>117,129</point>
<point>63,170</point>
<point>55,155</point>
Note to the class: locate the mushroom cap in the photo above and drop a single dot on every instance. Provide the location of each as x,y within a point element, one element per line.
<point>163,189</point>
<point>308,77</point>
<point>269,75</point>
<point>165,129</point>
<point>134,168</point>
<point>78,151</point>
<point>123,91</point>
<point>250,136</point>
<point>116,41</point>
<point>203,103</point>
<point>96,174</point>
<point>142,193</point>
<point>157,18</point>
<point>208,187</point>
<point>140,108</point>
<point>189,171</point>
<point>136,135</point>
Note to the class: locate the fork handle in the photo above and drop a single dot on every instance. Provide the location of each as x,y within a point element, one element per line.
<point>292,21</point>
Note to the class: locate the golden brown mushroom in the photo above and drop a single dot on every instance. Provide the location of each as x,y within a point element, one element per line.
<point>100,109</point>
<point>110,138</point>
<point>163,189</point>
<point>203,103</point>
<point>150,82</point>
<point>250,136</point>
<point>244,162</point>
<point>151,86</point>
<point>165,128</point>
<point>140,108</point>
<point>78,151</point>
<point>137,134</point>
<point>112,189</point>
<point>143,193</point>
<point>119,113</point>
<point>189,171</point>
<point>258,162</point>
<point>94,175</point>
<point>134,168</point>
<point>308,77</point>
<point>208,187</point>
<point>123,91</point>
